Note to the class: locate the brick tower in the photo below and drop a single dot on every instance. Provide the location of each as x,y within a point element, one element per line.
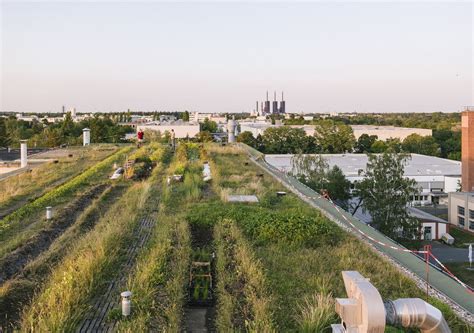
<point>467,151</point>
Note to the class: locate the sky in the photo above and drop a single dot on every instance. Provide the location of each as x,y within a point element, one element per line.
<point>224,56</point>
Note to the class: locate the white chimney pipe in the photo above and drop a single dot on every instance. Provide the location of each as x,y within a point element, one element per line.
<point>126,303</point>
<point>86,137</point>
<point>49,213</point>
<point>23,154</point>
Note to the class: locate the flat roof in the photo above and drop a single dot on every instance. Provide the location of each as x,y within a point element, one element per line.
<point>350,164</point>
<point>387,128</point>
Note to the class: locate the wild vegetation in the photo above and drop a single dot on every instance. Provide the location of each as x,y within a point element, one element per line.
<point>18,189</point>
<point>275,265</point>
<point>304,275</point>
<point>243,298</point>
<point>21,224</point>
<point>94,259</point>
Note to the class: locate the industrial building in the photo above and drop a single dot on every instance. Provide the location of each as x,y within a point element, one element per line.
<point>435,176</point>
<point>461,210</point>
<point>265,106</point>
<point>181,129</point>
<point>389,132</point>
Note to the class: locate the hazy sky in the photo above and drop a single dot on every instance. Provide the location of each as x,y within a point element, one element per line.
<point>222,57</point>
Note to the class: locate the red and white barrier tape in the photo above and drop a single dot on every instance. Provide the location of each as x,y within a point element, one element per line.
<point>444,268</point>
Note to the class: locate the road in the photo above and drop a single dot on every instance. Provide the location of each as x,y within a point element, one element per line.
<point>438,280</point>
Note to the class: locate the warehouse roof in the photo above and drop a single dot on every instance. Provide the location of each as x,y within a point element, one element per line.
<point>350,164</point>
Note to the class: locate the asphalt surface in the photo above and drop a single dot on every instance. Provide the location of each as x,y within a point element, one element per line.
<point>438,280</point>
<point>14,154</point>
<point>447,254</point>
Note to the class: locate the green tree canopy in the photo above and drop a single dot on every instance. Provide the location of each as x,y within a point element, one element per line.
<point>385,193</point>
<point>334,137</point>
<point>364,143</point>
<point>314,171</point>
<point>286,140</point>
<point>4,137</point>
<point>247,138</point>
<point>418,144</point>
<point>209,126</point>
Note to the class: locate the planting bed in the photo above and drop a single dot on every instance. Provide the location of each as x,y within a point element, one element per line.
<point>15,261</point>
<point>16,293</point>
<point>24,222</point>
<point>25,187</point>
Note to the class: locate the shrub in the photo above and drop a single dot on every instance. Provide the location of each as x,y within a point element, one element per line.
<point>289,226</point>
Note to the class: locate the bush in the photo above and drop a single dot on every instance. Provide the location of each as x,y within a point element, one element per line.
<point>289,226</point>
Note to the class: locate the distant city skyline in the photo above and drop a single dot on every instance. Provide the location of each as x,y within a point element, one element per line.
<point>223,57</point>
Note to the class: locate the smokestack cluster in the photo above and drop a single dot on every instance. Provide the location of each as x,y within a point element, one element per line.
<point>275,109</point>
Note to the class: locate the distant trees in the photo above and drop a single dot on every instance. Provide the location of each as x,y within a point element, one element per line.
<point>185,116</point>
<point>4,136</point>
<point>384,193</point>
<point>418,144</point>
<point>247,138</point>
<point>286,140</point>
<point>334,137</point>
<point>44,134</point>
<point>209,126</point>
<point>314,171</point>
<point>364,143</point>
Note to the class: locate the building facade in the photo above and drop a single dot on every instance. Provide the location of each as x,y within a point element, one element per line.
<point>461,210</point>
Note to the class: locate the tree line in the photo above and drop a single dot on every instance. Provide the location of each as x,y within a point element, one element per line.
<point>65,132</point>
<point>334,137</point>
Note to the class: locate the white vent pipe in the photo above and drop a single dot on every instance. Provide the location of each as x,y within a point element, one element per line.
<point>364,311</point>
<point>86,137</point>
<point>49,213</point>
<point>126,303</point>
<point>23,154</point>
<point>415,312</point>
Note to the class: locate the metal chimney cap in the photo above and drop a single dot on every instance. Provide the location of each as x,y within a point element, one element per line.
<point>126,294</point>
<point>24,141</point>
<point>86,129</point>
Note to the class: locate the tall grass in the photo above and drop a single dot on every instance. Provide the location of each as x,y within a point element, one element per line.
<point>296,273</point>
<point>16,293</point>
<point>64,300</point>
<point>159,279</point>
<point>243,298</point>
<point>317,314</point>
<point>42,177</point>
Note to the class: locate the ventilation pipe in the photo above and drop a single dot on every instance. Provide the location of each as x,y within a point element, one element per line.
<point>365,311</point>
<point>49,213</point>
<point>86,137</point>
<point>126,303</point>
<point>23,154</point>
<point>415,312</point>
<point>231,126</point>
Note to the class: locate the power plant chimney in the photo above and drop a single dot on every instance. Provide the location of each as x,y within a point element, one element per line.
<point>467,149</point>
<point>275,104</point>
<point>267,105</point>
<point>282,104</point>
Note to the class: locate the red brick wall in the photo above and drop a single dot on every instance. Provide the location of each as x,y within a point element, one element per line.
<point>467,154</point>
